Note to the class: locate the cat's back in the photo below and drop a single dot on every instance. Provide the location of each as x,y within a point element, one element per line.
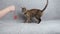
<point>34,11</point>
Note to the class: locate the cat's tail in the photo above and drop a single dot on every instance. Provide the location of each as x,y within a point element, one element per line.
<point>45,6</point>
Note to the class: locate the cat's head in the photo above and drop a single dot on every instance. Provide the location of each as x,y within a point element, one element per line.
<point>23,9</point>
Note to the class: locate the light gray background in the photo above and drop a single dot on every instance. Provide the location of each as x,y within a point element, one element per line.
<point>10,26</point>
<point>51,13</point>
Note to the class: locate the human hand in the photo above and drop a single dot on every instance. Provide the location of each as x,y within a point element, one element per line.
<point>11,8</point>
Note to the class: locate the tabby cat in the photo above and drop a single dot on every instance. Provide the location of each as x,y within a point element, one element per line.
<point>37,13</point>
